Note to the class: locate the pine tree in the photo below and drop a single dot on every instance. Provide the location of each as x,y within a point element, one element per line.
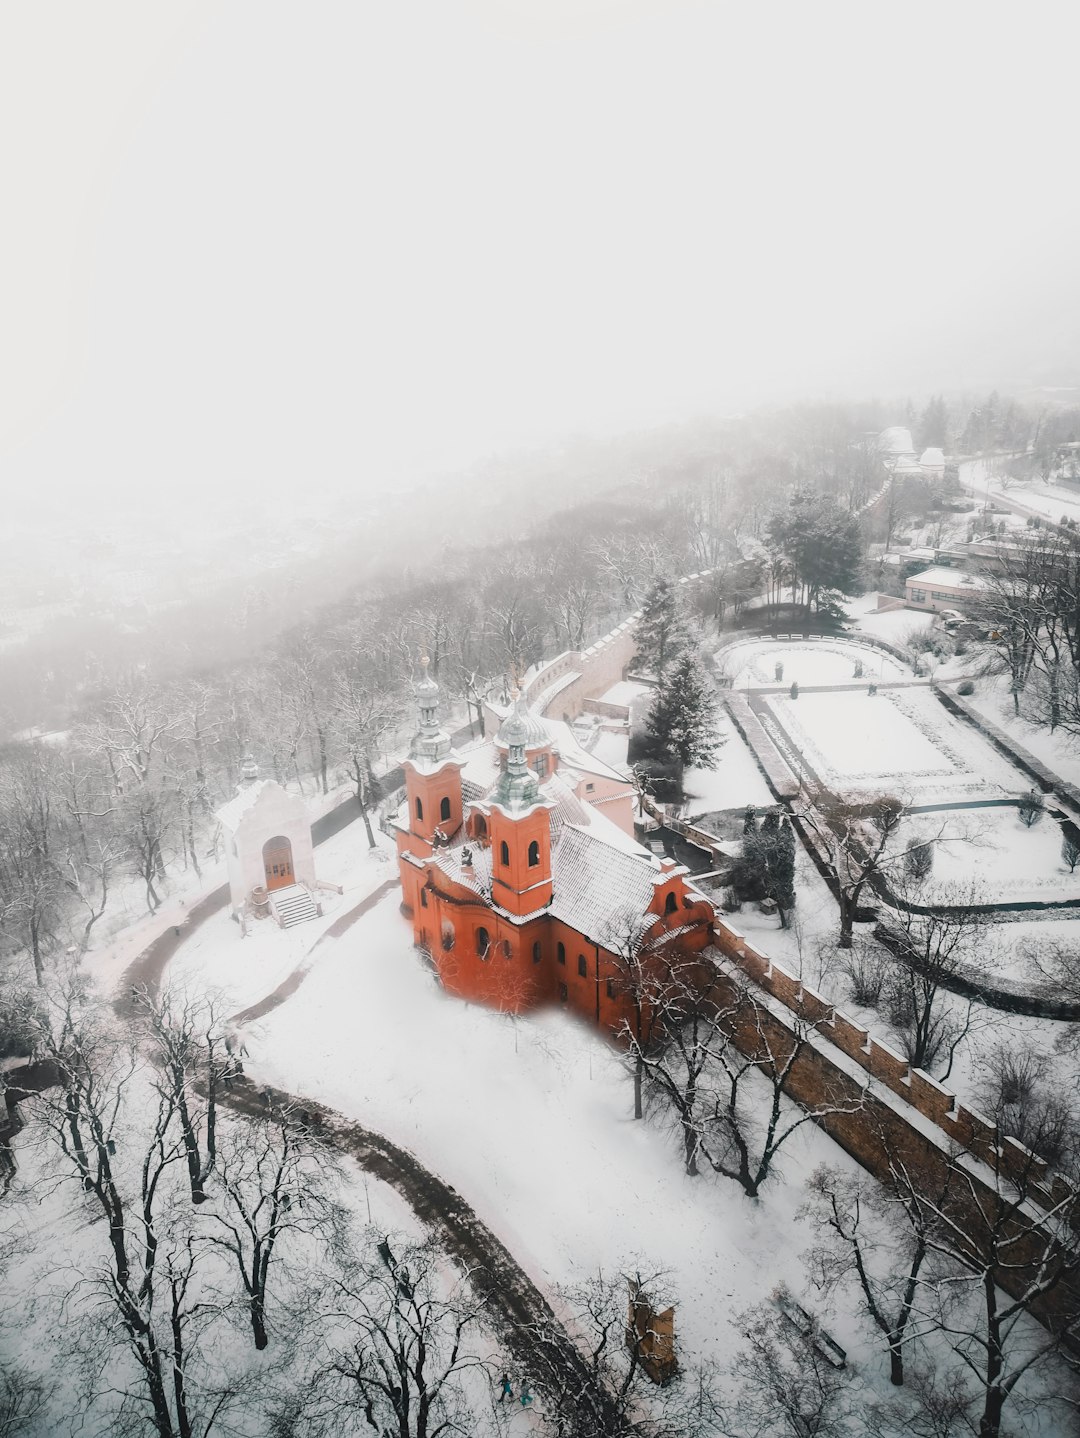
<point>682,723</point>
<point>662,632</point>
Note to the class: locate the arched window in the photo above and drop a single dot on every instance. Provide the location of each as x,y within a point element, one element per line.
<point>506,948</point>
<point>582,966</point>
<point>447,935</point>
<point>537,952</point>
<point>479,825</point>
<point>444,809</point>
<point>483,943</point>
<point>504,852</point>
<point>419,809</point>
<point>671,903</point>
<point>423,898</point>
<point>534,854</point>
<point>560,953</point>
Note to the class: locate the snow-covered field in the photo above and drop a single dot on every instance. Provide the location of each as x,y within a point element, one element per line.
<point>993,855</point>
<point>902,740</point>
<point>530,1119</point>
<point>732,783</point>
<point>895,626</point>
<point>821,661</point>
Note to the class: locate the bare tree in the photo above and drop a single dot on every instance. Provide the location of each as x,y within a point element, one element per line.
<point>786,1382</point>
<point>857,1236</point>
<point>408,1337</point>
<point>275,1180</point>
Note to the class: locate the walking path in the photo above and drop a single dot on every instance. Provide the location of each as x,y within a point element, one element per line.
<point>540,1344</point>
<point>289,985</point>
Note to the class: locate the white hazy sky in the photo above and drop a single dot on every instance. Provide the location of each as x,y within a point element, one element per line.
<point>266,247</point>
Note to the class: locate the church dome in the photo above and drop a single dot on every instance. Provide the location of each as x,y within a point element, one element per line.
<point>522,727</point>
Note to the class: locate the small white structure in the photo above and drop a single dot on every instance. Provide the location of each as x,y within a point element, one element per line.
<point>268,843</point>
<point>932,463</point>
<point>942,588</point>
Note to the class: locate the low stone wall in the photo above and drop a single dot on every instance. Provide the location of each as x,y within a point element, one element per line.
<point>774,770</point>
<point>607,711</point>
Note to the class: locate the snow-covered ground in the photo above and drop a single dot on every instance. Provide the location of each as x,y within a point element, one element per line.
<point>903,740</point>
<point>530,1119</point>
<point>625,692</point>
<point>1059,751</point>
<point>732,783</point>
<point>821,661</point>
<point>218,959</point>
<point>895,626</point>
<point>994,851</point>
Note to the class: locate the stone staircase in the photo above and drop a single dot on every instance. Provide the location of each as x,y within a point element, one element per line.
<point>292,905</point>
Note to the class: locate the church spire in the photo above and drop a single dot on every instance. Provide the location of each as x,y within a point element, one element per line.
<point>518,786</point>
<point>430,741</point>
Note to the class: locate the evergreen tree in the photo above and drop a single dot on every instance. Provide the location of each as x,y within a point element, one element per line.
<point>663,632</point>
<point>933,424</point>
<point>821,542</point>
<point>682,723</point>
<point>766,866</point>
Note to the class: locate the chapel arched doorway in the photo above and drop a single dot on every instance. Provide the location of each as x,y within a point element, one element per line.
<point>277,862</point>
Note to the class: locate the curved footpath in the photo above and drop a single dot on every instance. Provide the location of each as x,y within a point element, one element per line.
<point>538,1341</point>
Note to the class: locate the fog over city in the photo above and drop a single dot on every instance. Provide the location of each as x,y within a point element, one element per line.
<point>539,719</point>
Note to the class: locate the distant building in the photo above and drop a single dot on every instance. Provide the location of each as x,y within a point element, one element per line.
<point>940,588</point>
<point>517,883</point>
<point>269,854</point>
<point>932,463</point>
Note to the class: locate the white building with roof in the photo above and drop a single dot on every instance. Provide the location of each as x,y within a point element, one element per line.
<point>941,588</point>
<point>269,852</point>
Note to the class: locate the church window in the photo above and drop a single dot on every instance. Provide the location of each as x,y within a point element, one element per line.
<point>671,903</point>
<point>564,994</point>
<point>582,966</point>
<point>483,943</point>
<point>419,809</point>
<point>560,953</point>
<point>504,852</point>
<point>610,987</point>
<point>540,764</point>
<point>537,951</point>
<point>506,948</point>
<point>444,809</point>
<point>534,854</point>
<point>447,935</point>
<point>423,898</point>
<point>479,826</point>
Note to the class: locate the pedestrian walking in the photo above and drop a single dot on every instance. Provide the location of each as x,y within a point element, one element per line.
<point>526,1396</point>
<point>507,1391</point>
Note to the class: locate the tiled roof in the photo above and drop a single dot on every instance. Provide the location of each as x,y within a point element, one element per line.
<point>601,891</point>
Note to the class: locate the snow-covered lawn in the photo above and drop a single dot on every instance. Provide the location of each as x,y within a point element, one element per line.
<point>895,626</point>
<point>903,740</point>
<point>994,851</point>
<point>734,782</point>
<point>820,661</point>
<point>240,971</point>
<point>530,1119</point>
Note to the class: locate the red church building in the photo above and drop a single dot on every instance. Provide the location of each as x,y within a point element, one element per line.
<point>522,892</point>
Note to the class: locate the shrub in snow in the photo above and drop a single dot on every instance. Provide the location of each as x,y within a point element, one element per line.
<point>1030,808</point>
<point>1070,850</point>
<point>919,860</point>
<point>967,687</point>
<point>865,967</point>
